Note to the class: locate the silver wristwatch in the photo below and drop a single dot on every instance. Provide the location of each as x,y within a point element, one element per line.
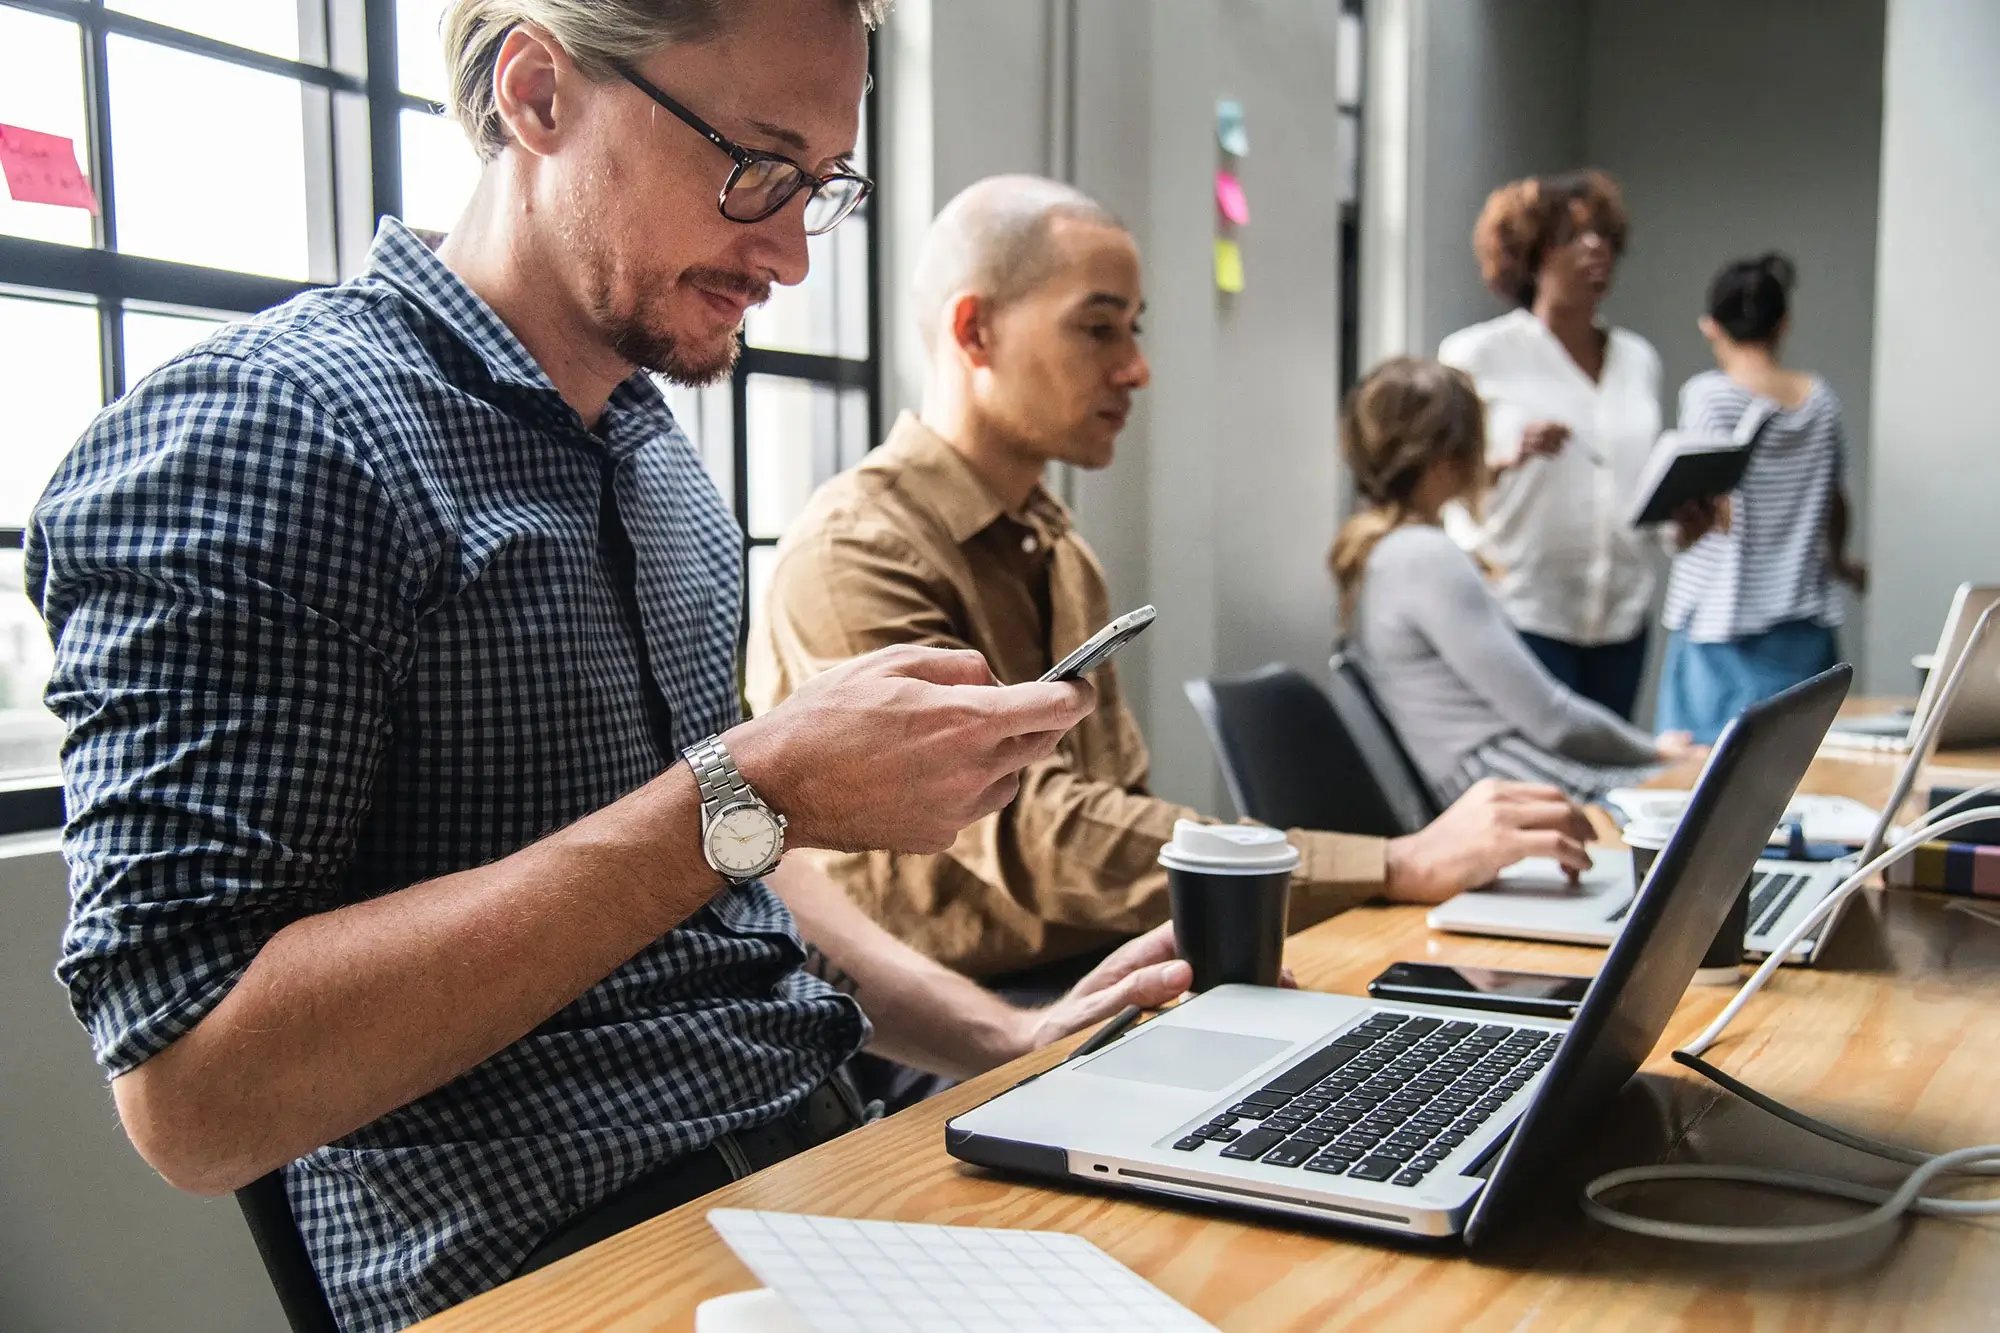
<point>740,835</point>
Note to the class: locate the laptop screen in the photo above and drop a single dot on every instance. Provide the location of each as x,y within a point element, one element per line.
<point>1750,777</point>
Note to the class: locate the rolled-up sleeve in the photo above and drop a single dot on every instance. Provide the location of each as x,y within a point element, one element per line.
<point>227,590</point>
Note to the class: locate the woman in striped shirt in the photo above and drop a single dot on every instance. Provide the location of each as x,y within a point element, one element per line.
<point>1752,603</point>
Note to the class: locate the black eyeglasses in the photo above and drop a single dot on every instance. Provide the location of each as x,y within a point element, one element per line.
<point>762,183</point>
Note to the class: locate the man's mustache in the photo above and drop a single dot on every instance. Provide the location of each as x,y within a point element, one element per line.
<point>723,282</point>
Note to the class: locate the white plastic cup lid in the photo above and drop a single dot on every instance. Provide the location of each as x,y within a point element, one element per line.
<point>1228,849</point>
<point>1649,833</point>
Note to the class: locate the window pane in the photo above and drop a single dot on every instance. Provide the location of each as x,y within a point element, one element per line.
<point>153,340</point>
<point>30,736</point>
<point>270,26</point>
<point>439,171</point>
<point>43,90</point>
<point>800,434</point>
<point>50,382</point>
<point>704,417</point>
<point>230,196</point>
<point>420,49</point>
<point>1347,55</point>
<point>826,314</point>
<point>757,580</point>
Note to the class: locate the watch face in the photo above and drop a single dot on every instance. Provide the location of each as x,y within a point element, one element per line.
<point>742,840</point>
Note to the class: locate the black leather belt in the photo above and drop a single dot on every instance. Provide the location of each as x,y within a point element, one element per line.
<point>829,1111</point>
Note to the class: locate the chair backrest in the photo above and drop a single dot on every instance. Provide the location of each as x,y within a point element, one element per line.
<point>1402,782</point>
<point>1285,755</point>
<point>276,1232</point>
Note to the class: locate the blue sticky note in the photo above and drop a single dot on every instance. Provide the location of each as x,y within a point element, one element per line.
<point>1229,128</point>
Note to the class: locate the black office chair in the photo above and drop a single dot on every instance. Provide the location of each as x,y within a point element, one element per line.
<point>1286,756</point>
<point>276,1232</point>
<point>1402,782</point>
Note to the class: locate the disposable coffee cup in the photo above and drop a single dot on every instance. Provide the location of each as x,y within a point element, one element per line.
<point>1722,965</point>
<point>1230,886</point>
<point>1646,836</point>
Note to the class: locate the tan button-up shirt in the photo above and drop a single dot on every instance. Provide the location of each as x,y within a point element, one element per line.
<point>910,547</point>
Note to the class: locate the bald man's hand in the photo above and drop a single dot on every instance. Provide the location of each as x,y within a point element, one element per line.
<point>901,749</point>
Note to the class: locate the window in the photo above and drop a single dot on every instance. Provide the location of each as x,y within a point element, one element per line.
<point>295,123</point>
<point>804,400</point>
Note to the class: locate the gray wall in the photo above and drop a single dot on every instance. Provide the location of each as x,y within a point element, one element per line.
<point>90,1238</point>
<point>1499,99</point>
<point>1223,500</point>
<point>1936,290</point>
<point>1736,129</point>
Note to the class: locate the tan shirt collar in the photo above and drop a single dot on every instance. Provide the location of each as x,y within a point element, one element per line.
<point>937,477</point>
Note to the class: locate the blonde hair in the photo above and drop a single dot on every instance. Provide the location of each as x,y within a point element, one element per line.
<point>597,34</point>
<point>1405,415</point>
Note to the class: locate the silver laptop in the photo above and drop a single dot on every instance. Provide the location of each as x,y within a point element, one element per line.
<point>1974,716</point>
<point>1416,1119</point>
<point>1534,900</point>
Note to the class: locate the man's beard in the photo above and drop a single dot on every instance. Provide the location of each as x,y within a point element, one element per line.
<point>693,367</point>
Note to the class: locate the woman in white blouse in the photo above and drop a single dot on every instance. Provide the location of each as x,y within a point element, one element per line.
<point>1572,409</point>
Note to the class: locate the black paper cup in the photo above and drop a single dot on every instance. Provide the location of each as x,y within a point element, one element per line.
<point>1230,886</point>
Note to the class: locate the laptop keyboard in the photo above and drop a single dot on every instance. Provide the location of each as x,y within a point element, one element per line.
<point>1771,892</point>
<point>1387,1101</point>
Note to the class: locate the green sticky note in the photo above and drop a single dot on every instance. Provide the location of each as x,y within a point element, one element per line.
<point>1230,130</point>
<point>1228,265</point>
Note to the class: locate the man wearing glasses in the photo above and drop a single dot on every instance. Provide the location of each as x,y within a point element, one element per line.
<point>383,624</point>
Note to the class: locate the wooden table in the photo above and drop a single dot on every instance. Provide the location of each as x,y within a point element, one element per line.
<point>1894,1035</point>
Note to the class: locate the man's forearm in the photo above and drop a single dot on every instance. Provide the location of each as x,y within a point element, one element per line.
<point>345,1016</point>
<point>924,1013</point>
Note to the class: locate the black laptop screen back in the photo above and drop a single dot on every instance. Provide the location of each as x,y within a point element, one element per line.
<point>1743,792</point>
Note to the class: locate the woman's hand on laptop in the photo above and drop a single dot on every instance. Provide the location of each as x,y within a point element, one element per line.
<point>1675,746</point>
<point>1493,825</point>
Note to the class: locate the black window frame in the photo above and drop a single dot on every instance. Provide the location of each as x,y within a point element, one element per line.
<point>354,167</point>
<point>1349,313</point>
<point>836,372</point>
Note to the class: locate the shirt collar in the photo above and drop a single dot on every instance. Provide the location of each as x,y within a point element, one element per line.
<point>938,477</point>
<point>403,261</point>
<point>636,408</point>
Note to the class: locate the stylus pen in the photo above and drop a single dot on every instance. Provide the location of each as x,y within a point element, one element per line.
<point>1110,1032</point>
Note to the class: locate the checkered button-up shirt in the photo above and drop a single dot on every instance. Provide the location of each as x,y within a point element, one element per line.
<point>333,616</point>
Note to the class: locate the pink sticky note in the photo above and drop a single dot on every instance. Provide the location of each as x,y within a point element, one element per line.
<point>1229,197</point>
<point>41,169</point>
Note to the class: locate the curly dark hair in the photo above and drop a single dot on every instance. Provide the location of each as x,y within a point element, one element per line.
<point>1523,220</point>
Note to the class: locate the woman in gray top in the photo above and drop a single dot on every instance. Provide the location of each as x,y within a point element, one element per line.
<point>1462,690</point>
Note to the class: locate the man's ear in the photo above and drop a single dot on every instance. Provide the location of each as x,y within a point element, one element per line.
<point>525,75</point>
<point>970,328</point>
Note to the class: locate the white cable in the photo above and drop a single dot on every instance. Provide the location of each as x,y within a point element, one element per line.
<point>1908,1196</point>
<point>1916,838</point>
<point>1890,1204</point>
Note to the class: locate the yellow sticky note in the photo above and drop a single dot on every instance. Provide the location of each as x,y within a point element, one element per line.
<point>1228,265</point>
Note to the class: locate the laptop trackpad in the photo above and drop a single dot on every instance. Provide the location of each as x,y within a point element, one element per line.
<point>1185,1058</point>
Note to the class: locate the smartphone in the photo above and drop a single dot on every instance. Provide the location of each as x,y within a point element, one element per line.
<point>1542,994</point>
<point>1091,654</point>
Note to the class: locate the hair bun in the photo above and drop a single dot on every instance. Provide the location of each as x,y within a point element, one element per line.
<point>1780,269</point>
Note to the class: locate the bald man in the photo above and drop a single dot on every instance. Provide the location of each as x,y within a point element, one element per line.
<point>1030,302</point>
